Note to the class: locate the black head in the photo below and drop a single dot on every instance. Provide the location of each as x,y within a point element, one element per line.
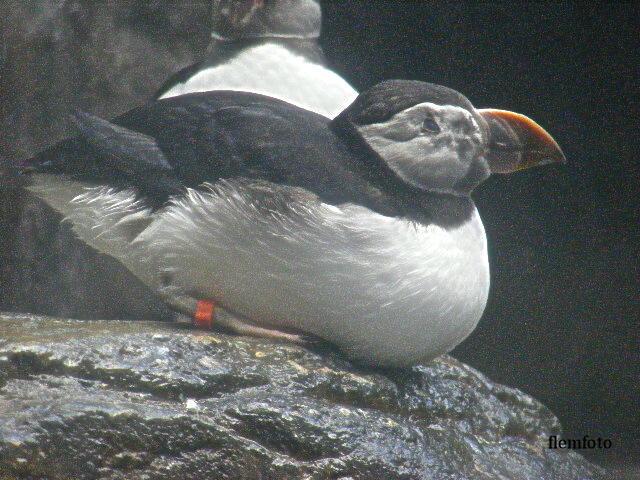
<point>245,19</point>
<point>433,138</point>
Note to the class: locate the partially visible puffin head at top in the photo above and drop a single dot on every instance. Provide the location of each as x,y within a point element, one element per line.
<point>433,138</point>
<point>243,19</point>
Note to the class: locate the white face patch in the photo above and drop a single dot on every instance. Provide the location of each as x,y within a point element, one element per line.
<point>432,160</point>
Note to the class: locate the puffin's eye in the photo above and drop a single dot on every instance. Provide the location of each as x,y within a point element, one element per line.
<point>429,125</point>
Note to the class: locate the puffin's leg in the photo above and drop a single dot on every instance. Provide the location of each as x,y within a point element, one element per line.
<point>188,309</point>
<point>242,327</point>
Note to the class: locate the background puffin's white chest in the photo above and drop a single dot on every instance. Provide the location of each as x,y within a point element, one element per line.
<point>385,289</point>
<point>272,70</point>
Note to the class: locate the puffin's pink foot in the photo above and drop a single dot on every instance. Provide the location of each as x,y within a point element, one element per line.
<point>205,313</point>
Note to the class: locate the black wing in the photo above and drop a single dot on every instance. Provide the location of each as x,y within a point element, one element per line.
<point>127,150</point>
<point>185,141</point>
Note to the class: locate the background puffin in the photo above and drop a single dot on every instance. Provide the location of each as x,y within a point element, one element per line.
<point>268,47</point>
<point>359,230</point>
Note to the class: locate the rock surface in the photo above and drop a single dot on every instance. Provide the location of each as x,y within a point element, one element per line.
<point>143,400</point>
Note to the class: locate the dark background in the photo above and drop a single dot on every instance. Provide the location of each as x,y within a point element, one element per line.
<point>563,315</point>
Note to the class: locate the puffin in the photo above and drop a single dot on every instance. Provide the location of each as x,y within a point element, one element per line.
<point>269,47</point>
<point>270,220</point>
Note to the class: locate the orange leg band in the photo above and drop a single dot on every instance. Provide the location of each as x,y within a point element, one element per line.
<point>204,315</point>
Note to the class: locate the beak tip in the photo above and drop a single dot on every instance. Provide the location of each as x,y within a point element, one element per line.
<point>556,153</point>
<point>563,157</point>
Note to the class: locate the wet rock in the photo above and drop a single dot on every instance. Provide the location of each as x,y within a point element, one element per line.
<point>143,400</point>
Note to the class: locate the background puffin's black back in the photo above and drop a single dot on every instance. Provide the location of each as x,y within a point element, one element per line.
<point>562,318</point>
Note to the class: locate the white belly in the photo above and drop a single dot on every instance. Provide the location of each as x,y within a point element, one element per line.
<point>385,290</point>
<point>274,71</point>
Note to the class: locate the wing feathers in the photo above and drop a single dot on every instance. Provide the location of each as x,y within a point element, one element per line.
<point>130,151</point>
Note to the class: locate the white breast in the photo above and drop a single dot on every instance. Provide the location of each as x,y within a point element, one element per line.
<point>386,290</point>
<point>274,71</point>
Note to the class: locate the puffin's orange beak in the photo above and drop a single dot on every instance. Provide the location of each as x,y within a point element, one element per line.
<point>516,142</point>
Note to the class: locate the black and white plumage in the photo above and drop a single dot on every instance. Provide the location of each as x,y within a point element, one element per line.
<point>358,230</point>
<point>269,47</point>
